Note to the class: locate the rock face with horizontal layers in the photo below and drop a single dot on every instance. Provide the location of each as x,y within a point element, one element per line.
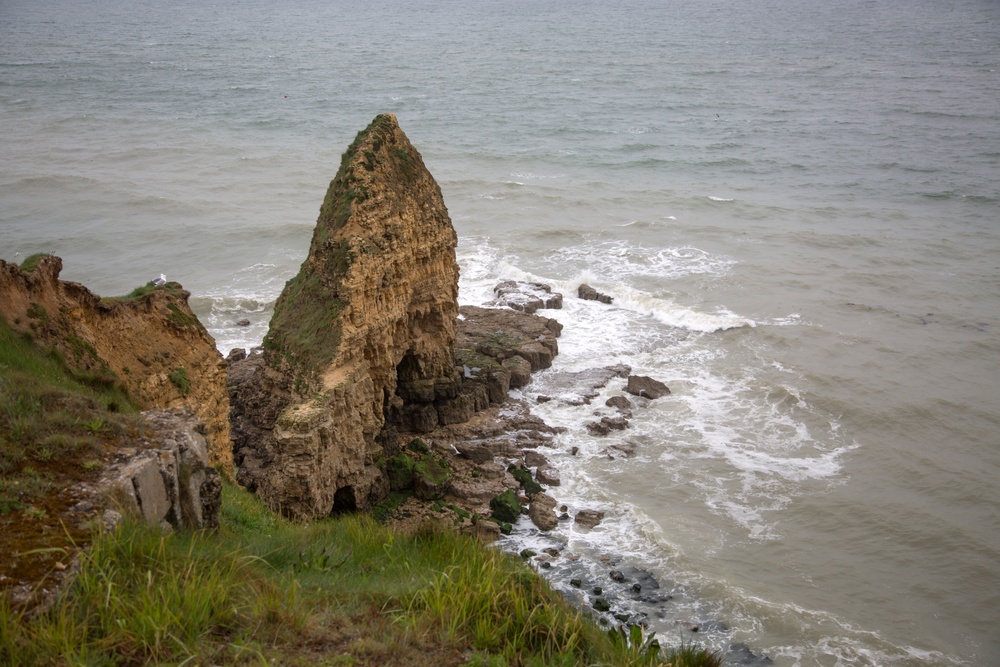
<point>150,341</point>
<point>361,341</point>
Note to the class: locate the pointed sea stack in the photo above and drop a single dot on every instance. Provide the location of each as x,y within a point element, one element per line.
<point>361,340</point>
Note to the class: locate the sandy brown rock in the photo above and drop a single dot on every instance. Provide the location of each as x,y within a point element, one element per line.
<point>153,343</point>
<point>543,511</point>
<point>362,339</point>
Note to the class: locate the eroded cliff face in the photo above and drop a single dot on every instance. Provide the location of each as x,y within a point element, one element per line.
<point>152,343</point>
<point>361,340</point>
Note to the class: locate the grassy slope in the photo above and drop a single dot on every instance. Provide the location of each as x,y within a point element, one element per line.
<point>263,590</point>
<point>344,591</point>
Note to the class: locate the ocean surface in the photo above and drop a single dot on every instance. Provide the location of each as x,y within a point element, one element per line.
<point>796,207</point>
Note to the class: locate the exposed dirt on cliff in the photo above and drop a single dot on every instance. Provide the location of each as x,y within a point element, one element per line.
<point>149,341</point>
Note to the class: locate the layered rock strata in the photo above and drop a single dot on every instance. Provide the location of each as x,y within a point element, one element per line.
<point>149,341</point>
<point>361,341</point>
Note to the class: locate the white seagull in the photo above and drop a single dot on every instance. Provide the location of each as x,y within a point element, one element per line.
<point>162,280</point>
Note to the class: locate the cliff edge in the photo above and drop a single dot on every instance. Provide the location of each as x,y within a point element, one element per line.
<point>149,341</point>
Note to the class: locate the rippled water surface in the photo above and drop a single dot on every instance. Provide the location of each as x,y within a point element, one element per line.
<point>795,206</point>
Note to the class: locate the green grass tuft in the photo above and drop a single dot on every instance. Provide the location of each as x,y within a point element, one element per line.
<point>179,378</point>
<point>30,262</point>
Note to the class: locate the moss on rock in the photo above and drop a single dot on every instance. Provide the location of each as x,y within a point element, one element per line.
<point>506,507</point>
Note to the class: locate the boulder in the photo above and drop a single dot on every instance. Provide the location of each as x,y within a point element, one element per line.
<point>526,297</point>
<point>620,403</point>
<point>475,452</point>
<point>588,518</point>
<point>588,293</point>
<point>506,507</point>
<point>542,511</point>
<point>606,425</point>
<point>519,369</point>
<point>647,387</point>
<point>534,459</point>
<point>548,476</point>
<point>168,481</point>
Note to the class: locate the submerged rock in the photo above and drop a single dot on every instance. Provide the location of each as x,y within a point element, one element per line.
<point>588,293</point>
<point>647,387</point>
<point>589,518</point>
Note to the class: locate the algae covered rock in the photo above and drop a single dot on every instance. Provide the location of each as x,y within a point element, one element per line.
<point>506,507</point>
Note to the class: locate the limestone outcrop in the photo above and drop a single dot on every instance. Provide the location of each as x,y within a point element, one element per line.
<point>361,341</point>
<point>166,478</point>
<point>149,341</point>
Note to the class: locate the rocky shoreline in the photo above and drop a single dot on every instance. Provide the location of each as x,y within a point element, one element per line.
<point>373,391</point>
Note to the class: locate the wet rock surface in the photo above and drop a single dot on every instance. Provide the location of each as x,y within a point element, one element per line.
<point>526,297</point>
<point>578,387</point>
<point>588,293</point>
<point>647,387</point>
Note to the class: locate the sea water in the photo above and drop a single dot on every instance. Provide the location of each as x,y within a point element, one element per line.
<point>794,205</point>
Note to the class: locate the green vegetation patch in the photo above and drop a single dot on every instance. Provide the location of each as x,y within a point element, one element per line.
<point>399,469</point>
<point>30,262</point>
<point>265,590</point>
<point>523,475</point>
<point>179,378</point>
<point>55,423</point>
<point>432,469</point>
<point>506,507</point>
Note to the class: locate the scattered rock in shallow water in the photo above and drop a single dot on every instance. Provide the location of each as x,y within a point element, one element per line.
<point>606,425</point>
<point>534,459</point>
<point>588,293</point>
<point>647,387</point>
<point>243,323</point>
<point>542,511</point>
<point>617,575</point>
<point>620,403</point>
<point>740,654</point>
<point>687,625</point>
<point>579,387</point>
<point>548,476</point>
<point>621,450</point>
<point>600,604</point>
<point>526,297</point>
<point>589,518</point>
